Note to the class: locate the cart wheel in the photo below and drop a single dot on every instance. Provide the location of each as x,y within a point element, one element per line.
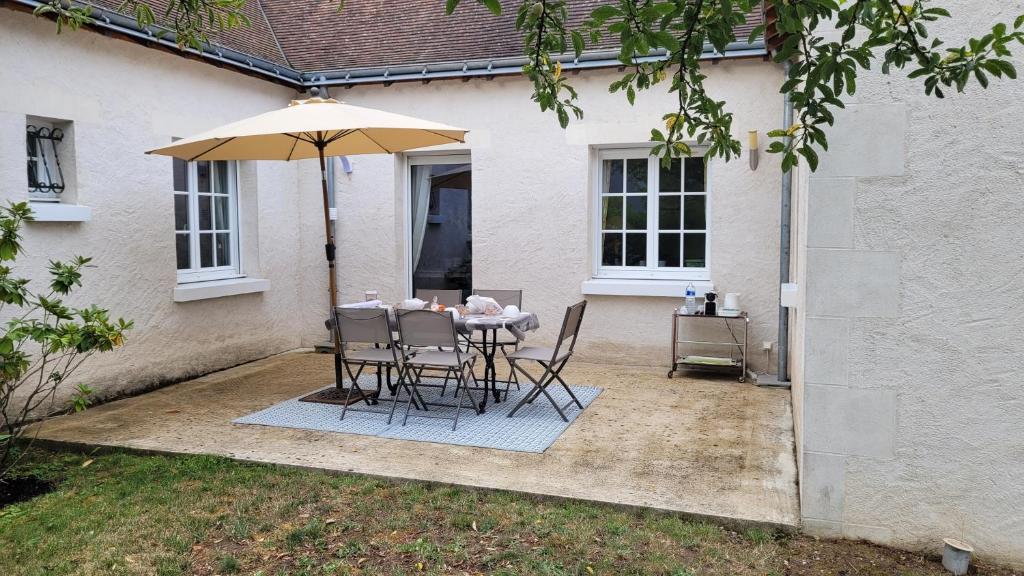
<point>743,379</point>
<point>670,373</point>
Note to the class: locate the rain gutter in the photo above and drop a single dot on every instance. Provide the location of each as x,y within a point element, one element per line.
<point>505,66</point>
<point>785,239</point>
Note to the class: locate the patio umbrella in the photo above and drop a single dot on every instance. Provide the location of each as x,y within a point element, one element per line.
<point>314,128</point>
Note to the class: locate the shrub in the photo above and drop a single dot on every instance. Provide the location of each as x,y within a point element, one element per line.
<point>44,341</point>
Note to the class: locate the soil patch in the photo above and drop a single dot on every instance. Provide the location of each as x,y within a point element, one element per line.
<point>19,489</point>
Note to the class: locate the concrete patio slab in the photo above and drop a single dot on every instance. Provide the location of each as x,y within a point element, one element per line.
<point>707,447</point>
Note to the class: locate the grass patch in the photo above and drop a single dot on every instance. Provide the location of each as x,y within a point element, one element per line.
<point>127,514</point>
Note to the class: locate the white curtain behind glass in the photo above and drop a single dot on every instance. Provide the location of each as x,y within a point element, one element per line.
<point>420,205</point>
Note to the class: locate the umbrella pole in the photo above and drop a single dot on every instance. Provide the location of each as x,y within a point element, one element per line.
<point>331,282</point>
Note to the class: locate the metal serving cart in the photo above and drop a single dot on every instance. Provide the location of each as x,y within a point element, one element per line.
<point>737,358</point>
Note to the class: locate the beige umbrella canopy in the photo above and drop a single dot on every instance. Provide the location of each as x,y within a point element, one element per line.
<point>314,128</point>
<point>311,128</point>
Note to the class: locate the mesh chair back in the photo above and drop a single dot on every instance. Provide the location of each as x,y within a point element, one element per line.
<point>446,297</point>
<point>570,326</point>
<point>427,328</point>
<point>503,297</point>
<point>363,326</point>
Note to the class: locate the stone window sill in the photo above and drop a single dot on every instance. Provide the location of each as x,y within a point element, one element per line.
<point>219,289</point>
<point>656,288</point>
<point>58,212</point>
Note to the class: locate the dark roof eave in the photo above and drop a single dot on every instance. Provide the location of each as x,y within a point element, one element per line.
<point>119,24</point>
<point>503,66</point>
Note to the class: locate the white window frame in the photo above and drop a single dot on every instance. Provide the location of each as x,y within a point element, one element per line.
<point>646,272</point>
<point>200,274</point>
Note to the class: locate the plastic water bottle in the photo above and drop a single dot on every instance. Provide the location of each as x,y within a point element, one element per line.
<point>691,299</point>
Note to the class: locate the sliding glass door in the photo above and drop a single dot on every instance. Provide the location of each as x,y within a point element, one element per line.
<point>440,196</point>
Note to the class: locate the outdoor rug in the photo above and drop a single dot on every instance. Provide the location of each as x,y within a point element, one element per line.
<point>534,428</point>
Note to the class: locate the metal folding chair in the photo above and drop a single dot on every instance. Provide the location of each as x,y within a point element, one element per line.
<point>447,297</point>
<point>503,298</point>
<point>369,326</point>
<point>553,360</point>
<point>434,334</point>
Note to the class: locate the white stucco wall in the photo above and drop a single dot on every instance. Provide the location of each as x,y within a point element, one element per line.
<point>909,388</point>
<point>124,99</point>
<point>532,195</point>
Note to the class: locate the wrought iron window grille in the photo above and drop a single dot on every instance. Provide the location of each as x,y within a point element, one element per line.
<point>45,177</point>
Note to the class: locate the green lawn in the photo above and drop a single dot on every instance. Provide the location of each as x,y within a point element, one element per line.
<point>129,514</point>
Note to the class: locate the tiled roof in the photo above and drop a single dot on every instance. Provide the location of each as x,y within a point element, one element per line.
<point>314,36</point>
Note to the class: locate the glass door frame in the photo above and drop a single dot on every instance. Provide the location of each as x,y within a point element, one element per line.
<point>421,159</point>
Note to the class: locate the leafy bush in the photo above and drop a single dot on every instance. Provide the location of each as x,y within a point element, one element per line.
<point>44,341</point>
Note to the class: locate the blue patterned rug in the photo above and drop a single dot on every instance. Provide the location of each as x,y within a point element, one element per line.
<point>534,428</point>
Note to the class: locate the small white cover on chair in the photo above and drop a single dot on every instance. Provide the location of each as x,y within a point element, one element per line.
<point>413,304</point>
<point>480,304</point>
<point>366,304</point>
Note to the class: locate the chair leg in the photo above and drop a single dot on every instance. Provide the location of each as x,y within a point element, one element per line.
<point>397,391</point>
<point>540,387</point>
<point>348,397</point>
<point>458,409</point>
<point>556,374</point>
<point>415,391</point>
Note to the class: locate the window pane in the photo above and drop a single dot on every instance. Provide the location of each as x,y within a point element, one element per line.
<point>220,172</point>
<point>222,214</point>
<point>670,179</point>
<point>206,250</point>
<point>205,213</point>
<point>636,175</point>
<point>611,250</point>
<point>693,250</point>
<point>636,249</point>
<point>203,180</point>
<point>668,250</point>
<point>612,177</point>
<point>636,212</point>
<point>181,212</point>
<point>180,175</point>
<point>611,212</point>
<point>668,212</point>
<point>695,214</point>
<point>181,249</point>
<point>33,173</point>
<point>223,249</point>
<point>695,174</point>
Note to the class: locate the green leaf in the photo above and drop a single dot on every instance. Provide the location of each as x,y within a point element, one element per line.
<point>577,43</point>
<point>982,79</point>
<point>450,6</point>
<point>604,12</point>
<point>493,5</point>
<point>811,156</point>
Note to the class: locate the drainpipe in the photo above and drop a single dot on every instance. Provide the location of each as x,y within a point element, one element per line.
<point>785,221</point>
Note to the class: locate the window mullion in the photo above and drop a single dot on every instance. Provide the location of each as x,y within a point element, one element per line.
<point>234,237</point>
<point>193,220</point>
<point>652,214</point>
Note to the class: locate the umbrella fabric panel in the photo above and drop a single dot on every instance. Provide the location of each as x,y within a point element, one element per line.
<point>290,134</point>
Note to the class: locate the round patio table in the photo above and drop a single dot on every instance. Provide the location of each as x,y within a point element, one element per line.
<point>488,326</point>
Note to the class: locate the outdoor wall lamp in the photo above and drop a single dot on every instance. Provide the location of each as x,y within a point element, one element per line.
<point>752,148</point>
